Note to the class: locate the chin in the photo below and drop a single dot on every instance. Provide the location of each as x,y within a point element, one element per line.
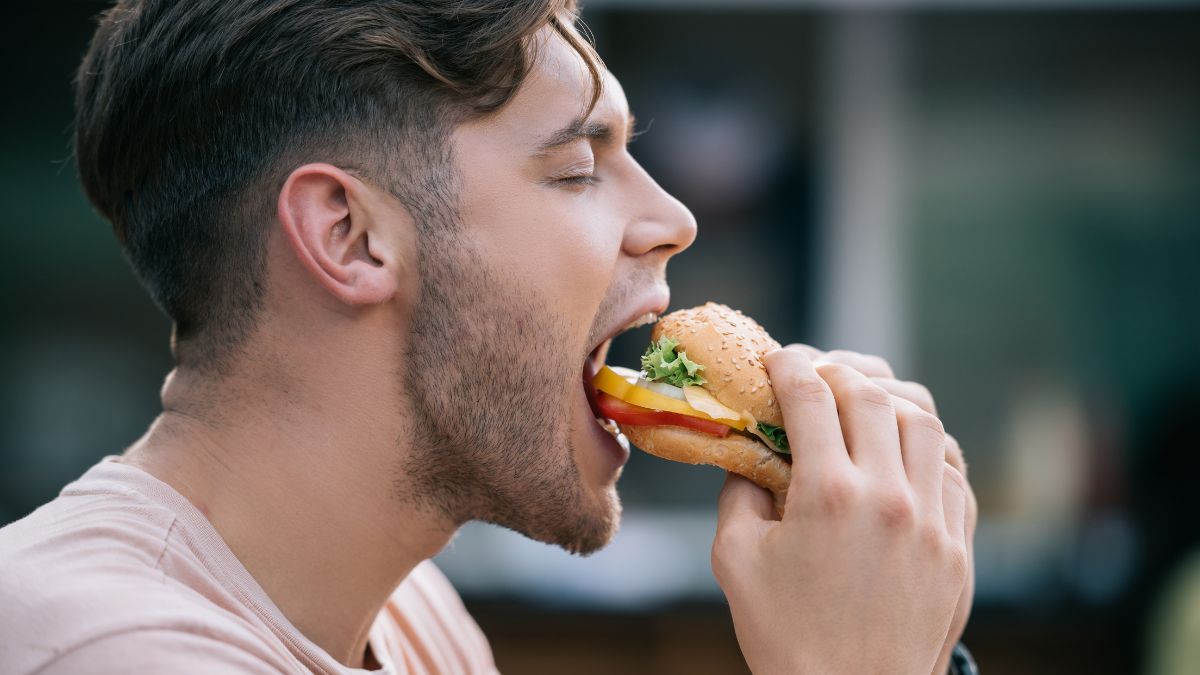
<point>603,519</point>
<point>596,517</point>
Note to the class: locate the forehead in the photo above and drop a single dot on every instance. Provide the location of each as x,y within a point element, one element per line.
<point>556,92</point>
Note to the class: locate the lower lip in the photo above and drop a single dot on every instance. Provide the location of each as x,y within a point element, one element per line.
<point>617,452</point>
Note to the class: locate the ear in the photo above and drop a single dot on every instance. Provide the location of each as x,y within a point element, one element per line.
<point>341,233</point>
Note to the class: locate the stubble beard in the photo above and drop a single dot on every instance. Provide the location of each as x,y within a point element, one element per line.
<point>490,377</point>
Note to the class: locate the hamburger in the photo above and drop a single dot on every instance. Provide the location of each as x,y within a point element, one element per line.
<point>702,396</point>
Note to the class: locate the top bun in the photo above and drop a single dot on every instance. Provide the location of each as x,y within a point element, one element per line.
<point>730,346</point>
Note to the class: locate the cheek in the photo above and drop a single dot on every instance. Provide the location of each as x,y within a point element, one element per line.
<point>555,242</point>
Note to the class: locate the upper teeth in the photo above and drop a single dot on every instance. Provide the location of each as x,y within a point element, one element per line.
<point>647,318</point>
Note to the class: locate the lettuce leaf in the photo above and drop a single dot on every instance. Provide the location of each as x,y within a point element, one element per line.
<point>662,363</point>
<point>777,435</point>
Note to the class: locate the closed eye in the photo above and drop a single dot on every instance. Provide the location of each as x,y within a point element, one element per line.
<point>589,179</point>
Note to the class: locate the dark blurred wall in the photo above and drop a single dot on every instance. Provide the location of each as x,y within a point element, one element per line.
<point>82,349</point>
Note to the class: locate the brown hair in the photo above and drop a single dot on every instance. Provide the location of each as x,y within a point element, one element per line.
<point>191,113</point>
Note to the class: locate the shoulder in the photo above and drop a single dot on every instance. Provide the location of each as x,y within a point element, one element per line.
<point>158,650</point>
<point>80,578</point>
<point>125,623</point>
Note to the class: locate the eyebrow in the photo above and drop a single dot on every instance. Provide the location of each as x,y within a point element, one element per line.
<point>583,129</point>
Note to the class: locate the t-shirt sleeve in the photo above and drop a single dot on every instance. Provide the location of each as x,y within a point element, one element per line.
<point>158,651</point>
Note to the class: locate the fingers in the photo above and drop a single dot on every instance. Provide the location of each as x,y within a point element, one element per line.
<point>880,372</point>
<point>954,455</point>
<point>909,391</point>
<point>922,443</point>
<point>867,364</point>
<point>743,509</point>
<point>809,411</point>
<point>811,352</point>
<point>742,504</point>
<point>868,419</point>
<point>954,503</point>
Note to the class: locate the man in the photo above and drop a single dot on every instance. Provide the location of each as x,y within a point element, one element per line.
<point>389,234</point>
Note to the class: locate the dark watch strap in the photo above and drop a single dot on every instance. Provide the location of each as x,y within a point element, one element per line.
<point>961,662</point>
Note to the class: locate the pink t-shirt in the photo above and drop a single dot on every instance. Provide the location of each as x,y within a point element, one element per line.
<point>121,574</point>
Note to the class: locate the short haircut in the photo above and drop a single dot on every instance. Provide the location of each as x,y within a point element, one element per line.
<point>190,114</point>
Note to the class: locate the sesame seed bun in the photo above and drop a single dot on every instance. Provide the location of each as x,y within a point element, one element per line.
<point>735,453</point>
<point>730,346</point>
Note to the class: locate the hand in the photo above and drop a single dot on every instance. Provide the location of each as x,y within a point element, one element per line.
<point>880,372</point>
<point>865,569</point>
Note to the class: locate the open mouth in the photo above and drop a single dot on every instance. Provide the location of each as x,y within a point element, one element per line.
<point>595,361</point>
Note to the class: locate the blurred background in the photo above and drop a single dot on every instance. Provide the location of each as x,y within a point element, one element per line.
<point>1002,198</point>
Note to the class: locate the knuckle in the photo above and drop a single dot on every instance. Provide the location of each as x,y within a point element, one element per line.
<point>934,540</point>
<point>808,350</point>
<point>958,563</point>
<point>721,557</point>
<point>872,395</point>
<point>785,358</point>
<point>882,365</point>
<point>954,479</point>
<point>835,370</point>
<point>868,364</point>
<point>804,389</point>
<point>842,356</point>
<point>919,420</point>
<point>954,454</point>
<point>878,365</point>
<point>923,396</point>
<point>972,509</point>
<point>896,507</point>
<point>725,539</point>
<point>836,493</point>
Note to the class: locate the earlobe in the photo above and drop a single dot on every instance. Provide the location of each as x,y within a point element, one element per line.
<point>337,234</point>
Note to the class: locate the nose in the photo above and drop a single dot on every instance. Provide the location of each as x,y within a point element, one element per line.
<point>661,224</point>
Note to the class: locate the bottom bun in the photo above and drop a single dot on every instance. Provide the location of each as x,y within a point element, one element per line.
<point>736,453</point>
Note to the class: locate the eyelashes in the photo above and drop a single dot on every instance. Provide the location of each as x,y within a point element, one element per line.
<point>578,180</point>
<point>579,174</point>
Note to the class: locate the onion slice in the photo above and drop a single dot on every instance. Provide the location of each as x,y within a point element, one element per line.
<point>700,399</point>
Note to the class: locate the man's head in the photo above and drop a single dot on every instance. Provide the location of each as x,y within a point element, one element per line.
<point>449,180</point>
<point>191,114</point>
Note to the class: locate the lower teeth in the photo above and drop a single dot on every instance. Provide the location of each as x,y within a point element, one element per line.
<point>612,428</point>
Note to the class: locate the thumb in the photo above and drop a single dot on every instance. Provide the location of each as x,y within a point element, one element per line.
<point>743,505</point>
<point>743,509</point>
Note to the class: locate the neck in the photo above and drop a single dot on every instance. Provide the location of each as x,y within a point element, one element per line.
<point>303,490</point>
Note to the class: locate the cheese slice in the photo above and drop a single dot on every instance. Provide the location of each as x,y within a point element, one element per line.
<point>700,399</point>
<point>620,385</point>
<point>752,427</point>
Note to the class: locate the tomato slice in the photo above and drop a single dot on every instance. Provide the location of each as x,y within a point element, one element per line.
<point>626,413</point>
<point>609,381</point>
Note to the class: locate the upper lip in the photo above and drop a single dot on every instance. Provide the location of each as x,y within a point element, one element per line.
<point>654,303</point>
